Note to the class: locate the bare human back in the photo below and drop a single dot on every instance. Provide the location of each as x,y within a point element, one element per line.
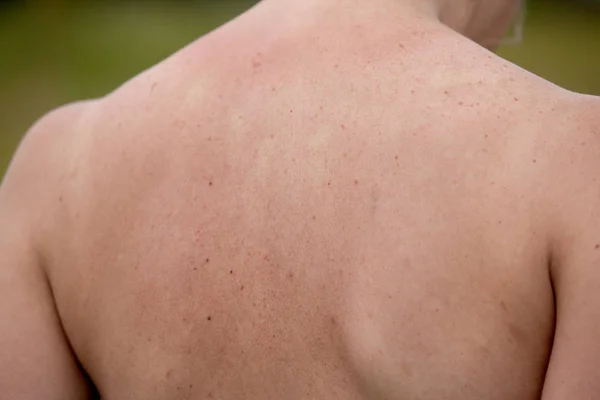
<point>321,199</point>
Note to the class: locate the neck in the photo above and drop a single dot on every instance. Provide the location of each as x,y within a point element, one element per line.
<point>455,14</point>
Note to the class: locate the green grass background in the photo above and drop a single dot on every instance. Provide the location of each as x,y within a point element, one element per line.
<point>53,55</point>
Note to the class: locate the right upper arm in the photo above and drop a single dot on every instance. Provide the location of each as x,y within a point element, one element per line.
<point>574,371</point>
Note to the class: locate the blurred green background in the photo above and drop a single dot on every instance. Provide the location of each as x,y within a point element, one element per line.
<point>54,52</point>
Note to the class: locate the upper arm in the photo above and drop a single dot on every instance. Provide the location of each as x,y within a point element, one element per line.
<point>35,358</point>
<point>574,370</point>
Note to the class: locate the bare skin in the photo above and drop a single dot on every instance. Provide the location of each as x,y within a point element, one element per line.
<point>378,209</point>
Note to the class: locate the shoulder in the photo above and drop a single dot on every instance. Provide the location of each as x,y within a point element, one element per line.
<point>574,134</point>
<point>34,178</point>
<point>572,177</point>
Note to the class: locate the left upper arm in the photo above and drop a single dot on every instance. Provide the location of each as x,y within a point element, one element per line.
<point>36,361</point>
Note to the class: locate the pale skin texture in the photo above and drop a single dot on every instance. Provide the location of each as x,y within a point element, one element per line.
<point>330,199</point>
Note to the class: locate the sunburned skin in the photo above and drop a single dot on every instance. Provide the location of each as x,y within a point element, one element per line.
<point>315,201</point>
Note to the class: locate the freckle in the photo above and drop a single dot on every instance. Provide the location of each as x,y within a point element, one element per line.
<point>396,158</point>
<point>333,321</point>
<point>534,161</point>
<point>503,305</point>
<point>273,89</point>
<point>345,155</point>
<point>461,103</point>
<point>210,395</point>
<point>493,183</point>
<point>401,46</point>
<point>210,183</point>
<point>499,222</point>
<point>445,92</point>
<point>209,318</point>
<point>207,260</point>
<point>60,199</point>
<point>242,287</point>
<point>230,272</point>
<point>191,386</point>
<point>412,92</point>
<point>195,269</point>
<point>336,66</point>
<point>597,247</point>
<point>314,218</point>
